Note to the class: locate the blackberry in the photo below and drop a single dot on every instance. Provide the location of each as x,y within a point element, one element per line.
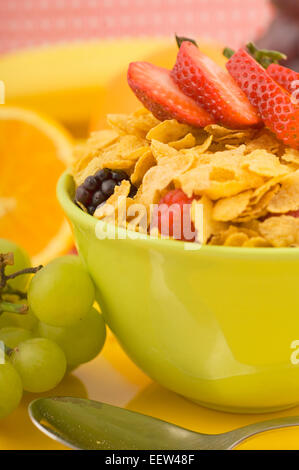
<point>98,188</point>
<point>133,191</point>
<point>108,187</point>
<point>83,196</point>
<point>91,183</point>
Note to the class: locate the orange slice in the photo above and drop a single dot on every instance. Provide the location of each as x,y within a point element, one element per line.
<point>34,151</point>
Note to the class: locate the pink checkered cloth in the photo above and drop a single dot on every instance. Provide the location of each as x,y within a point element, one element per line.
<point>27,23</point>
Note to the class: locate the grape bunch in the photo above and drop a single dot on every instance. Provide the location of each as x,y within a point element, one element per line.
<point>48,325</point>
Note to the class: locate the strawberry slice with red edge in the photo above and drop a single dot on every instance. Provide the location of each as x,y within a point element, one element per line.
<point>274,104</point>
<point>211,86</point>
<point>287,78</point>
<point>155,88</point>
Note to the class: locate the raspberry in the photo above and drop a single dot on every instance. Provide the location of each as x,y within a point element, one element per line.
<point>290,214</point>
<point>294,214</point>
<point>172,219</point>
<point>98,188</point>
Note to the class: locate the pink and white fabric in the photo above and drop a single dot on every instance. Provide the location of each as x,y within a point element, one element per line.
<point>27,23</point>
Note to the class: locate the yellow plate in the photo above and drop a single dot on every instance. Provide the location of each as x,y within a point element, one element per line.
<point>66,80</point>
<point>113,378</point>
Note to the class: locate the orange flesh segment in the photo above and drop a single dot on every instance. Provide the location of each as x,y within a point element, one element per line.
<point>29,169</point>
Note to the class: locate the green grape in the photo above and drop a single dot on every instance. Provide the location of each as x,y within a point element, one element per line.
<point>12,336</point>
<point>27,320</point>
<point>40,363</point>
<point>80,342</point>
<point>11,389</point>
<point>6,320</point>
<point>21,261</point>
<point>62,293</point>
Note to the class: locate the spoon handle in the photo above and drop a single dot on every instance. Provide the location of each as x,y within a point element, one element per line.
<point>233,438</point>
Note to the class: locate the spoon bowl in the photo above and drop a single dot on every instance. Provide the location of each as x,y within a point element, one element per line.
<point>90,425</point>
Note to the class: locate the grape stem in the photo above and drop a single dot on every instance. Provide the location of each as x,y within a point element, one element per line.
<point>7,259</point>
<point>10,291</point>
<point>8,351</point>
<point>13,308</point>
<point>23,271</point>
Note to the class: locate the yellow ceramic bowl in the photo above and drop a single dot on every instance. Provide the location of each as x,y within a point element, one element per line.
<point>217,325</point>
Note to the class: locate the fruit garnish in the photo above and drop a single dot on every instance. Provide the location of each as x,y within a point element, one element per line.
<point>12,336</point>
<point>21,260</point>
<point>274,104</point>
<point>88,335</point>
<point>40,363</point>
<point>294,214</point>
<point>264,57</point>
<point>34,152</point>
<point>155,88</point>
<point>34,355</point>
<point>285,77</point>
<point>11,298</point>
<point>211,86</point>
<point>11,389</point>
<point>174,216</point>
<point>62,293</point>
<point>98,188</point>
<point>124,101</point>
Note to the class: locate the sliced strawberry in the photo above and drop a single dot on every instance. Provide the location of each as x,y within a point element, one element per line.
<point>156,90</point>
<point>287,78</point>
<point>213,88</point>
<point>273,103</point>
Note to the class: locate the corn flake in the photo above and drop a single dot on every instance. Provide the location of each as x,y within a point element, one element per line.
<point>236,239</point>
<point>168,131</point>
<point>257,242</point>
<point>162,151</point>
<point>265,164</point>
<point>145,162</point>
<point>186,142</point>
<point>138,123</point>
<point>100,139</point>
<point>224,135</point>
<point>281,231</point>
<point>231,208</point>
<point>291,156</point>
<point>264,140</point>
<point>159,177</point>
<point>287,198</point>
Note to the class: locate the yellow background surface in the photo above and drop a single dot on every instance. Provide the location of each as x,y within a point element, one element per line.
<point>114,379</point>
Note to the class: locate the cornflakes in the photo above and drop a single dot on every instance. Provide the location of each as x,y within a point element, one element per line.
<point>168,131</point>
<point>231,208</point>
<point>144,163</point>
<point>186,142</point>
<point>281,231</point>
<point>243,185</point>
<point>287,199</point>
<point>202,217</point>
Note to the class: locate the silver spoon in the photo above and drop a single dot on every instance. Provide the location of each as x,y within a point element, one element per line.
<point>91,425</point>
